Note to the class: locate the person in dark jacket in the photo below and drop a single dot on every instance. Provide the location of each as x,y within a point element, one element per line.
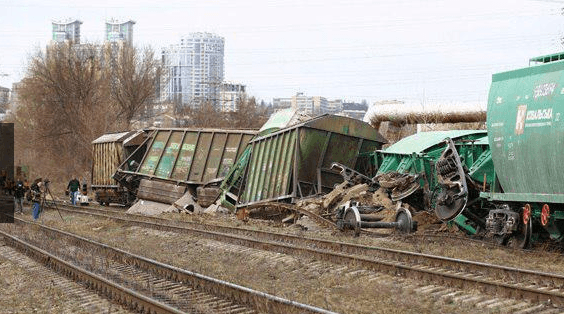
<point>72,188</point>
<point>19,193</point>
<point>36,198</point>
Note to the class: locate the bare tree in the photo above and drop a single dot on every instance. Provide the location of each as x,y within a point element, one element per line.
<point>71,95</point>
<point>135,76</point>
<point>248,115</point>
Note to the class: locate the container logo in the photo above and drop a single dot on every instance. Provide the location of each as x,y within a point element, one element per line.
<point>520,122</point>
<point>542,90</point>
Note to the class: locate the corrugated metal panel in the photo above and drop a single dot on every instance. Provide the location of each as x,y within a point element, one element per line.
<point>107,156</point>
<point>193,156</point>
<point>422,141</point>
<point>112,137</point>
<point>294,162</point>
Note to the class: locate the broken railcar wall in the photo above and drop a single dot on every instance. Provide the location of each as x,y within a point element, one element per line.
<point>295,162</point>
<point>183,159</point>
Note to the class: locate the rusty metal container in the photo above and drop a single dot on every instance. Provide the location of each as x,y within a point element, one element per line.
<point>295,162</point>
<point>179,160</point>
<point>108,152</point>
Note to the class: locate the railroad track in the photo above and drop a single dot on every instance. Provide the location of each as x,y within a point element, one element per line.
<point>146,285</point>
<point>78,296</point>
<point>494,279</point>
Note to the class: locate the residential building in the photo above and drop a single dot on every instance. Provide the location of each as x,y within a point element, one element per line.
<point>67,30</point>
<point>119,31</point>
<point>354,110</point>
<point>281,103</point>
<point>302,103</point>
<point>314,105</point>
<point>195,70</point>
<point>334,106</point>
<point>4,96</point>
<point>230,94</point>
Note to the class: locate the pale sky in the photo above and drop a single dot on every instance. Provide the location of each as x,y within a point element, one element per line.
<point>411,50</point>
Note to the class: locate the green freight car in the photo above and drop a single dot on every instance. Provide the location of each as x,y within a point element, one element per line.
<point>409,170</point>
<point>295,162</point>
<point>526,131</point>
<point>514,190</point>
<point>182,160</point>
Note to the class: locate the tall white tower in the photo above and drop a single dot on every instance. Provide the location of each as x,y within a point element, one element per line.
<point>195,70</point>
<point>119,31</point>
<point>68,30</point>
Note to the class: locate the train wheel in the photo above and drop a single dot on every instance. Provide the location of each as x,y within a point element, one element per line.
<point>352,220</point>
<point>521,239</point>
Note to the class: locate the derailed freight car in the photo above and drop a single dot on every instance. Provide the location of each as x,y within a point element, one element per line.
<point>295,162</point>
<point>182,160</point>
<point>521,198</point>
<point>108,152</point>
<point>421,170</point>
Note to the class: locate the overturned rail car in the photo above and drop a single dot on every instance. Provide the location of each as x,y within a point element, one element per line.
<point>181,160</point>
<point>420,170</point>
<point>295,162</point>
<point>108,152</point>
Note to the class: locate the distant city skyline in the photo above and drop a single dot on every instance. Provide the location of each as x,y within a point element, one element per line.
<point>409,50</point>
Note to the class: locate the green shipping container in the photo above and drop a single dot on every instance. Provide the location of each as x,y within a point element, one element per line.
<point>295,162</point>
<point>526,130</point>
<point>192,156</point>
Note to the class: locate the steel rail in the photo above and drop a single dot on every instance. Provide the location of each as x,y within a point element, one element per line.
<point>508,281</point>
<point>497,271</point>
<point>105,287</point>
<point>260,301</point>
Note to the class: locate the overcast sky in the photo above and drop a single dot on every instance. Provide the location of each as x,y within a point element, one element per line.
<point>412,50</point>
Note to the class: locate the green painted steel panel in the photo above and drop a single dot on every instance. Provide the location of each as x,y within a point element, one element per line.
<point>274,183</point>
<point>286,164</point>
<point>152,157</point>
<point>232,149</point>
<point>168,158</point>
<point>423,141</point>
<point>345,126</point>
<point>274,168</point>
<point>524,197</point>
<point>311,145</point>
<point>185,157</point>
<point>193,156</point>
<point>203,147</point>
<point>277,121</point>
<point>215,154</point>
<point>526,130</point>
<point>344,150</point>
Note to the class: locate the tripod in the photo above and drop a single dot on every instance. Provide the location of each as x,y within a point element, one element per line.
<point>44,202</point>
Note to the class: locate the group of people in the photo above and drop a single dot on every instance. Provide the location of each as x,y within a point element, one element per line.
<point>20,189</point>
<point>35,193</point>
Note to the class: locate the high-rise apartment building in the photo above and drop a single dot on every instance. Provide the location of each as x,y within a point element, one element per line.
<point>195,70</point>
<point>68,30</point>
<point>119,31</point>
<point>230,95</point>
